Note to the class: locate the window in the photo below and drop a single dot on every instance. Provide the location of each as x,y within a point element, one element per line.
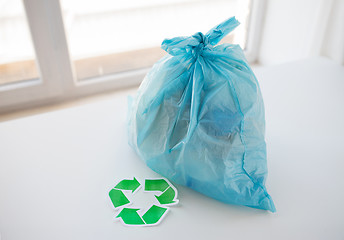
<point>17,57</point>
<point>85,47</point>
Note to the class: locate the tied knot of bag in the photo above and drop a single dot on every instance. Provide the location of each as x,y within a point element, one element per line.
<point>199,42</point>
<point>203,44</point>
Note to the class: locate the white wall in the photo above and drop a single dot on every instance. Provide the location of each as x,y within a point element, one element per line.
<point>333,45</point>
<point>299,29</point>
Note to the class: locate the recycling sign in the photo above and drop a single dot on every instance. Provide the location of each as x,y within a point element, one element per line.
<point>164,192</point>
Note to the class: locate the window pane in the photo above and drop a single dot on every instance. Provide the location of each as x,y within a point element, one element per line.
<point>17,58</point>
<point>107,36</point>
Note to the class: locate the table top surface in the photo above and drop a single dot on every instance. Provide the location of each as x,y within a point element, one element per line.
<point>57,168</point>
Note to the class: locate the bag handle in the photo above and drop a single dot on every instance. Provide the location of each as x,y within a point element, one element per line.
<point>215,34</point>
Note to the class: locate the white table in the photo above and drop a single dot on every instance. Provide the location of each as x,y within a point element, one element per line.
<point>57,168</point>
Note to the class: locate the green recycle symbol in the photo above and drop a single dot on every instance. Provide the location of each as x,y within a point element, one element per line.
<point>154,215</point>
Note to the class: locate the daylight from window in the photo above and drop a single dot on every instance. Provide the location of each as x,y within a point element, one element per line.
<point>115,36</point>
<point>17,58</point>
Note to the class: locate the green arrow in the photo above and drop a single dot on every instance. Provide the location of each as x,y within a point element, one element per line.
<point>154,214</point>
<point>118,198</point>
<point>167,197</point>
<point>169,192</point>
<point>127,184</point>
<point>156,185</point>
<point>130,216</point>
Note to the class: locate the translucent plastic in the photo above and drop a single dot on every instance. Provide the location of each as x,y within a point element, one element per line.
<point>198,119</point>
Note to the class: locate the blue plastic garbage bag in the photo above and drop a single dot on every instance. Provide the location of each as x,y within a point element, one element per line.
<point>198,119</point>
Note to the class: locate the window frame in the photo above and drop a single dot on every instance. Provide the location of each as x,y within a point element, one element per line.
<point>58,81</point>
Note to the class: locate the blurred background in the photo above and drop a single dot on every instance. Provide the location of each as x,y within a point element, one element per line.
<point>106,37</point>
<point>53,50</point>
